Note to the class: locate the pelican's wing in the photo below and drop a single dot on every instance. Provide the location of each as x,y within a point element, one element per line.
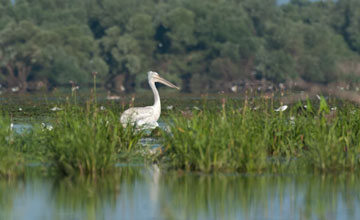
<point>140,115</point>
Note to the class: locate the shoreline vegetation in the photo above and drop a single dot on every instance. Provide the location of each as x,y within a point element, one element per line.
<point>253,135</point>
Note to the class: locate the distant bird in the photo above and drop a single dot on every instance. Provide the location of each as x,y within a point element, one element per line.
<point>281,108</point>
<point>146,117</point>
<point>15,89</point>
<point>112,97</point>
<point>234,88</point>
<point>55,108</point>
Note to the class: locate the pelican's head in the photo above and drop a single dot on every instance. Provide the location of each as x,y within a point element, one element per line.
<point>154,77</point>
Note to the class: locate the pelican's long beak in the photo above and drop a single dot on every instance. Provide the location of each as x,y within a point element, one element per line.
<point>165,82</point>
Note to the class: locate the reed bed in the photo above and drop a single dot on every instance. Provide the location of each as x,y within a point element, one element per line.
<point>11,159</point>
<point>79,140</point>
<point>90,141</point>
<point>254,137</point>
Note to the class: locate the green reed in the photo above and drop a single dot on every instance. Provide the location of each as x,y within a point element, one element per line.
<point>82,140</point>
<point>235,136</point>
<point>89,141</point>
<point>252,137</point>
<point>11,160</point>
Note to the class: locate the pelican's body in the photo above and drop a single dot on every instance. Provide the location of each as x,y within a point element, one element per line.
<point>147,116</point>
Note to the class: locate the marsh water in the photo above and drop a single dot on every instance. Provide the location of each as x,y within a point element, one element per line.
<point>138,191</point>
<point>145,192</point>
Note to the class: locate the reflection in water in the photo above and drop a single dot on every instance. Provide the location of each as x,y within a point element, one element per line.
<point>147,193</point>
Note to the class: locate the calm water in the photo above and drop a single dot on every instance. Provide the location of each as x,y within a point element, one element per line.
<point>138,192</point>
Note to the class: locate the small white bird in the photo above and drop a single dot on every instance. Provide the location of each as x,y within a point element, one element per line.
<point>234,88</point>
<point>146,117</point>
<point>55,108</point>
<point>15,89</point>
<point>281,108</point>
<point>112,97</point>
<point>47,126</point>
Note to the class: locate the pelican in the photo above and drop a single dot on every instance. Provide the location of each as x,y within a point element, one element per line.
<point>147,117</point>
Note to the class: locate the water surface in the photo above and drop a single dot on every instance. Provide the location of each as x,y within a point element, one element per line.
<point>139,192</point>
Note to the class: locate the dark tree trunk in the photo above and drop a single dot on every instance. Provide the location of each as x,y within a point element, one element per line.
<point>23,72</point>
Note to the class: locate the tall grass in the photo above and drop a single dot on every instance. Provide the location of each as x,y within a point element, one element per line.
<point>334,145</point>
<point>11,160</point>
<point>89,141</point>
<point>82,140</point>
<point>246,138</point>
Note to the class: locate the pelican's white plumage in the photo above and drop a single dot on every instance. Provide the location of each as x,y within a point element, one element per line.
<point>146,117</point>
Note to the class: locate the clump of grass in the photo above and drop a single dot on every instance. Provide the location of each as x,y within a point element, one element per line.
<point>11,160</point>
<point>243,137</point>
<point>89,141</point>
<point>212,141</point>
<point>11,163</point>
<point>334,145</point>
<point>246,139</point>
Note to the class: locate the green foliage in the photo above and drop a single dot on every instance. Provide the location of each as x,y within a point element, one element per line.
<point>122,51</point>
<point>181,25</point>
<point>89,142</point>
<point>141,27</point>
<point>212,41</point>
<point>243,139</point>
<point>347,22</point>
<point>238,137</point>
<point>208,142</point>
<point>58,55</point>
<point>11,160</point>
<point>276,66</point>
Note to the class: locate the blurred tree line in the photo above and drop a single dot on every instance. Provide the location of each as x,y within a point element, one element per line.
<point>199,44</point>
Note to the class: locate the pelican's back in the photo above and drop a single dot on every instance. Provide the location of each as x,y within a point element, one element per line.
<point>139,116</point>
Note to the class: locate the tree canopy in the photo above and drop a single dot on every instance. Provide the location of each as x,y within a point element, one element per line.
<point>200,44</point>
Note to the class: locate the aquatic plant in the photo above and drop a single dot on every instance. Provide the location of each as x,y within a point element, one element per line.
<point>11,161</point>
<point>334,144</point>
<point>89,141</point>
<point>239,137</point>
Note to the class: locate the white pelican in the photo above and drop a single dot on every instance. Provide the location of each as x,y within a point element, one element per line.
<point>147,117</point>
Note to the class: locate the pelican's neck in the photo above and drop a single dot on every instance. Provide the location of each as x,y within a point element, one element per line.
<point>156,95</point>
